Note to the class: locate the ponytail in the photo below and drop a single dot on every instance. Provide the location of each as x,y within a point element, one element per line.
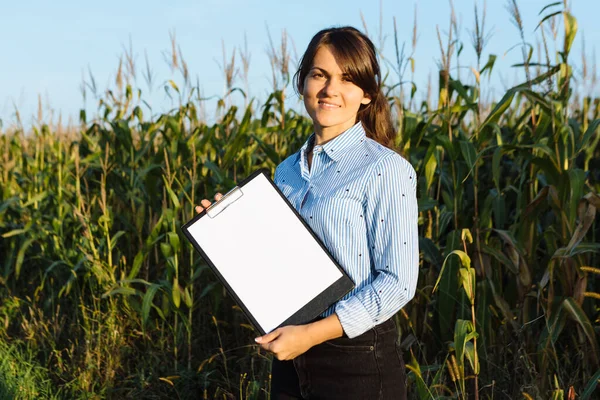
<point>376,118</point>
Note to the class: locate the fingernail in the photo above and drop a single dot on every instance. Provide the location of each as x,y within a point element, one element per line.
<point>257,340</point>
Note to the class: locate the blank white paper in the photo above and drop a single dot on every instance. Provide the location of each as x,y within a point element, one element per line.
<point>267,256</point>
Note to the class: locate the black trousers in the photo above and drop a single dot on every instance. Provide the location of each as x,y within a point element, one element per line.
<point>369,366</point>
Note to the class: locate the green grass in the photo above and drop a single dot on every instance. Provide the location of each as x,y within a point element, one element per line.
<point>21,377</point>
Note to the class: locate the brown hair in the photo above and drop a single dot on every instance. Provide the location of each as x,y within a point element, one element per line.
<point>355,53</point>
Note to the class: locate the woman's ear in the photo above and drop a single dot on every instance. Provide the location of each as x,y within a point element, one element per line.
<point>365,100</point>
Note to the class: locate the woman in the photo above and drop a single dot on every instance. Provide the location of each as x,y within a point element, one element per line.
<point>359,196</point>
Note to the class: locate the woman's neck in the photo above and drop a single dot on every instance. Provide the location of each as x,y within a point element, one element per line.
<point>323,136</point>
<point>326,134</point>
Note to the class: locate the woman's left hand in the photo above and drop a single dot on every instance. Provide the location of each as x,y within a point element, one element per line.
<point>288,342</point>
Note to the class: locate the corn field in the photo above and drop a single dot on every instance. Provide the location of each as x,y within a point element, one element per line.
<point>102,297</point>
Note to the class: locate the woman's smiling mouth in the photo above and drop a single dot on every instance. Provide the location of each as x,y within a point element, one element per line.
<point>328,106</point>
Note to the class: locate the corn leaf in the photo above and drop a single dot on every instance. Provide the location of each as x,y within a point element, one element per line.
<point>147,302</point>
<point>578,315</point>
<point>591,386</point>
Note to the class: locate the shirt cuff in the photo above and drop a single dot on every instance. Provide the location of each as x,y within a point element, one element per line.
<point>354,317</point>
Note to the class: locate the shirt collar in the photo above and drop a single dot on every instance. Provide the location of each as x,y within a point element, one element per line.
<point>338,146</point>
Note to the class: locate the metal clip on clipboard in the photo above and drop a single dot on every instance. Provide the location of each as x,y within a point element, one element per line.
<point>228,199</point>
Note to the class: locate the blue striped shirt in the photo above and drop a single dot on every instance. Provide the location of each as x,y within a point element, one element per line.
<point>359,197</point>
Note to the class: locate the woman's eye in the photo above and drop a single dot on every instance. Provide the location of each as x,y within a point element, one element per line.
<point>317,75</point>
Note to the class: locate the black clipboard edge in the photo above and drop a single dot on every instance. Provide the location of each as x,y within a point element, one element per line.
<point>332,294</point>
<point>322,302</point>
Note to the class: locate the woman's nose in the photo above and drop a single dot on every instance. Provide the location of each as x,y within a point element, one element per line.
<point>331,87</point>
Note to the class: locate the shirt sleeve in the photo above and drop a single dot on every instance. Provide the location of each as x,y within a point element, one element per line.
<point>391,214</point>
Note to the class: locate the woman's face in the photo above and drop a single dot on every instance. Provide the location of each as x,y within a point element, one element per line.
<point>331,100</point>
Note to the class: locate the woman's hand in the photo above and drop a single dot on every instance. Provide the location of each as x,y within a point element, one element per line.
<point>288,342</point>
<point>206,203</point>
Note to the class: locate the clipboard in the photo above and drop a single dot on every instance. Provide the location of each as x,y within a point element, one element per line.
<point>270,261</point>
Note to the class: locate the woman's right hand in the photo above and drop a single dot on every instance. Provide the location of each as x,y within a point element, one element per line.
<point>206,203</point>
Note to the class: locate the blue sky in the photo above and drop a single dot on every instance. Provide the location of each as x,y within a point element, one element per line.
<point>48,46</point>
